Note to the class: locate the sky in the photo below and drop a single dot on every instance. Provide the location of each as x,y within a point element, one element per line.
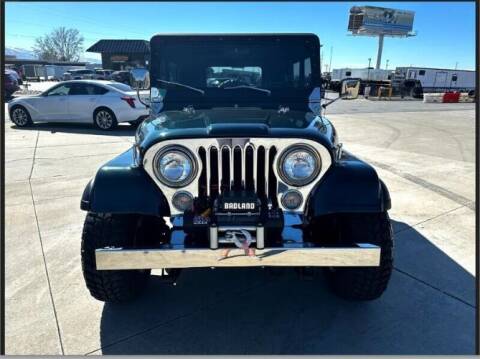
<point>445,30</point>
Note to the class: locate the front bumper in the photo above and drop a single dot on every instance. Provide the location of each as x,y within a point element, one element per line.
<point>293,250</point>
<point>362,255</point>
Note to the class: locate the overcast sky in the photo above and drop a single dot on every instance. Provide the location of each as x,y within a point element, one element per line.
<point>446,30</point>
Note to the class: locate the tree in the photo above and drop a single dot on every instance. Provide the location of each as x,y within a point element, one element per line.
<point>61,44</point>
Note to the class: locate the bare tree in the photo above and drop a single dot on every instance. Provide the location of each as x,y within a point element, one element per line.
<point>61,44</point>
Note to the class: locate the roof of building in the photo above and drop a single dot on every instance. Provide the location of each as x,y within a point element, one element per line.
<point>120,46</point>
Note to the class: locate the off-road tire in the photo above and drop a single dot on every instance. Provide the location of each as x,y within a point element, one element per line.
<point>364,283</point>
<point>103,230</point>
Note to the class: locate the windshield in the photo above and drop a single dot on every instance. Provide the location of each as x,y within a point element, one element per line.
<point>248,70</point>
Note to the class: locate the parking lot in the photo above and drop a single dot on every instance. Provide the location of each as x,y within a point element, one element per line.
<point>425,153</point>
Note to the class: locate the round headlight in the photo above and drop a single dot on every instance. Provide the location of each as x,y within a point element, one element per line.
<point>175,166</point>
<point>299,165</point>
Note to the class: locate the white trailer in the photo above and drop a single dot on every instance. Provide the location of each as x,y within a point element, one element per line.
<point>55,72</point>
<point>364,74</point>
<point>34,72</point>
<point>438,80</point>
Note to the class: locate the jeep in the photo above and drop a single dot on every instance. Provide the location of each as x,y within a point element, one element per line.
<point>236,166</point>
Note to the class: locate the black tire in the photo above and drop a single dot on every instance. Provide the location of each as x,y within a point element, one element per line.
<point>103,230</point>
<point>20,116</point>
<point>364,283</point>
<point>135,123</point>
<point>417,92</point>
<point>104,119</point>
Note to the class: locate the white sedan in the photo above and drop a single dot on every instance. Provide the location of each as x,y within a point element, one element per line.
<point>103,103</point>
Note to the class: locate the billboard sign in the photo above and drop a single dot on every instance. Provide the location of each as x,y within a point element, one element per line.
<point>372,20</point>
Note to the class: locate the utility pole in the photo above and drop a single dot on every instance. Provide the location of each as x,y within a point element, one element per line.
<point>330,66</point>
<point>386,66</point>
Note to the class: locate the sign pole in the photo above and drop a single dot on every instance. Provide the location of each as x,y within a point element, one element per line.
<point>380,49</point>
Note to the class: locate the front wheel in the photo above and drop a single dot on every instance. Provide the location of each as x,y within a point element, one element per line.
<point>20,116</point>
<point>364,283</point>
<point>104,119</point>
<point>107,230</point>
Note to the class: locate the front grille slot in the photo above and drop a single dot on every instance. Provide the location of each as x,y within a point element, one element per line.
<point>238,167</point>
<point>237,182</point>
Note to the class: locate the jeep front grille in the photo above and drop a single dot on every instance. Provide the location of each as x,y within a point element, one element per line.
<point>237,166</point>
<point>226,164</point>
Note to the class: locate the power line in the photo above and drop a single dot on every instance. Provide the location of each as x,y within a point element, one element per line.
<point>78,18</point>
<point>34,37</point>
<point>50,27</point>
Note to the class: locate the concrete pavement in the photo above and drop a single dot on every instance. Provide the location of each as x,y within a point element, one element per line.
<point>424,153</point>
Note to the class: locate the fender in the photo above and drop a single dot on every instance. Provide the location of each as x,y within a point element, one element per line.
<point>120,186</point>
<point>350,185</point>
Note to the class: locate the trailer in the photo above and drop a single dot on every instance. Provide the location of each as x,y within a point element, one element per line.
<point>34,72</point>
<point>55,72</point>
<point>439,80</point>
<point>373,78</point>
<point>365,74</point>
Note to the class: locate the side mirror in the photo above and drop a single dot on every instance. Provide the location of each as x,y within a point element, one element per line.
<point>141,78</point>
<point>350,89</point>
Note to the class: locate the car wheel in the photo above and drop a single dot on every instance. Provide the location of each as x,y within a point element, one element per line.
<point>104,119</point>
<point>20,116</point>
<point>110,230</point>
<point>364,283</point>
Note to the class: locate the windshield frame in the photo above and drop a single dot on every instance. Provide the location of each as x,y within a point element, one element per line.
<point>309,44</point>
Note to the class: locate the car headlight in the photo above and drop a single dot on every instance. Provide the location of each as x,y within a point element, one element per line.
<point>175,166</point>
<point>299,165</point>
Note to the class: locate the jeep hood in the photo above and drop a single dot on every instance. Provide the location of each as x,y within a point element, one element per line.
<point>234,122</point>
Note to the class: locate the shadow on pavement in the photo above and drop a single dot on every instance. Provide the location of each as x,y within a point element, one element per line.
<point>121,130</point>
<point>427,309</point>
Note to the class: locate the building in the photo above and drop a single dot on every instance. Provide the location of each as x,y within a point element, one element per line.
<point>122,54</point>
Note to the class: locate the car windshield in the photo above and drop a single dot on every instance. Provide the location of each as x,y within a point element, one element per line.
<point>257,69</point>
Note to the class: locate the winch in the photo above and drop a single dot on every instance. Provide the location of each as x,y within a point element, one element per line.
<point>237,218</point>
<point>237,208</point>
